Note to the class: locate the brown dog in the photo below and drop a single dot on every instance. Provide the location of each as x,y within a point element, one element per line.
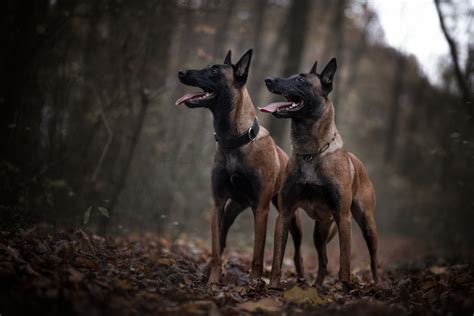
<point>248,166</point>
<point>324,179</point>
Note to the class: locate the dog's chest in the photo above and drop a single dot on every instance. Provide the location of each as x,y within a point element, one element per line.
<point>310,173</point>
<point>317,191</point>
<point>244,184</point>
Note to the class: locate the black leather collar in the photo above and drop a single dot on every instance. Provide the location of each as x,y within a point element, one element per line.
<point>231,142</point>
<point>321,150</point>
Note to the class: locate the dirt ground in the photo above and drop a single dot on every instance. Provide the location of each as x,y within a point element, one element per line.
<point>45,271</point>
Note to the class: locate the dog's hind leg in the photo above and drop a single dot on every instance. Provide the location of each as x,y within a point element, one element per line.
<point>321,239</point>
<point>332,233</point>
<point>366,222</point>
<point>296,231</point>
<point>281,236</point>
<point>363,211</point>
<point>232,210</point>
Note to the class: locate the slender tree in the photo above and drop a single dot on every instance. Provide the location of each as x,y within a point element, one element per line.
<point>297,20</point>
<point>166,15</point>
<point>394,113</point>
<point>256,78</point>
<point>336,44</point>
<point>458,73</point>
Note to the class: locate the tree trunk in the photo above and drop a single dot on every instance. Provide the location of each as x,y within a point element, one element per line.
<point>221,35</point>
<point>460,78</point>
<point>298,18</point>
<point>336,45</point>
<point>18,84</point>
<point>392,119</point>
<point>256,78</point>
<point>275,51</point>
<point>358,51</point>
<point>161,34</point>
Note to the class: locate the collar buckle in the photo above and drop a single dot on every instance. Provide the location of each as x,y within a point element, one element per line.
<point>251,134</point>
<point>324,148</point>
<point>232,142</point>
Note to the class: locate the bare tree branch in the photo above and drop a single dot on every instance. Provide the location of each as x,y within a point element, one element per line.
<point>107,145</point>
<point>460,78</point>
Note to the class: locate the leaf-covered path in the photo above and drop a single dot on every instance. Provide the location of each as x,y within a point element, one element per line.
<point>45,271</point>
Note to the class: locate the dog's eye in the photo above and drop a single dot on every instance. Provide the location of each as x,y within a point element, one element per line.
<point>301,79</point>
<point>214,70</point>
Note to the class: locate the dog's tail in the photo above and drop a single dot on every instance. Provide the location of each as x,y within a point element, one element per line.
<point>332,233</point>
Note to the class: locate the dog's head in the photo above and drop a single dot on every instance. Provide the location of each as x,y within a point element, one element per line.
<point>220,83</point>
<point>306,94</point>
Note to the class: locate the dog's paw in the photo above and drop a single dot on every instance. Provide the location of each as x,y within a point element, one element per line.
<point>274,284</point>
<point>301,281</point>
<point>214,274</point>
<point>213,281</point>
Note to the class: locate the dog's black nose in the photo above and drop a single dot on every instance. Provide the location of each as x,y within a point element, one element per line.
<point>269,80</point>
<point>182,73</point>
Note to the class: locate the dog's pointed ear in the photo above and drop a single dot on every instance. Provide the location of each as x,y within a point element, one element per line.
<point>327,75</point>
<point>228,58</point>
<point>314,68</point>
<point>241,69</point>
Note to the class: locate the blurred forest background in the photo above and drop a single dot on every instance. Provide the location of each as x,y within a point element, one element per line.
<point>89,123</point>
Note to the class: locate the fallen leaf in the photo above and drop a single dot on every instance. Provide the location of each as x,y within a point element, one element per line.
<point>14,254</point>
<point>165,261</point>
<point>87,215</point>
<point>428,285</point>
<point>103,211</point>
<point>438,270</point>
<point>86,262</point>
<point>124,284</point>
<point>75,276</point>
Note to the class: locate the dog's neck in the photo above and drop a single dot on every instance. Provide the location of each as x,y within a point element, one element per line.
<point>240,117</point>
<point>309,135</point>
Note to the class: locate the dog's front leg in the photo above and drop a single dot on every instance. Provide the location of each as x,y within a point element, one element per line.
<point>261,218</point>
<point>217,218</point>
<point>344,225</point>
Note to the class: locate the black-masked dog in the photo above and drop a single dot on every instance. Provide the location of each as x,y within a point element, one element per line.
<point>248,166</point>
<point>324,179</point>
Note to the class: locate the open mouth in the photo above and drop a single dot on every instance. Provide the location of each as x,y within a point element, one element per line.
<point>195,97</point>
<point>294,103</point>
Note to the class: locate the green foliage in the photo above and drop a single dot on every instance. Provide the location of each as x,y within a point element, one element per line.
<point>87,214</point>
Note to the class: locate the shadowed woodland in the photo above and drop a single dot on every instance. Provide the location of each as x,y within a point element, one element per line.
<point>105,184</point>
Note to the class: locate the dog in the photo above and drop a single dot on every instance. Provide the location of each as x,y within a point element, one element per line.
<point>324,179</point>
<point>248,165</point>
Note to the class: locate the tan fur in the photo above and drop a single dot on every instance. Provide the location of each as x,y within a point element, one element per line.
<point>356,196</point>
<point>271,162</point>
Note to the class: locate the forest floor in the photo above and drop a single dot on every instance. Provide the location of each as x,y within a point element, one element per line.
<point>54,272</point>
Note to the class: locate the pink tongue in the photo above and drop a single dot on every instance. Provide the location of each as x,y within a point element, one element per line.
<point>189,96</point>
<point>272,107</point>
